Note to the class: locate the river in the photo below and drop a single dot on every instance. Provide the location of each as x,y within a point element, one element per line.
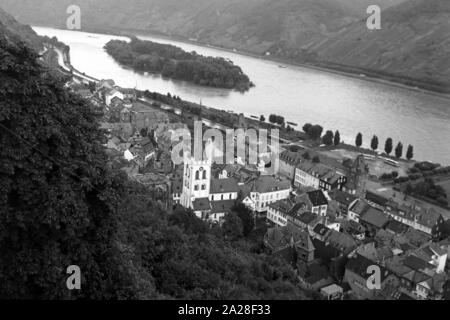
<point>300,94</point>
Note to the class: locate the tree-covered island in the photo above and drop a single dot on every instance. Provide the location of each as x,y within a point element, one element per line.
<point>175,63</point>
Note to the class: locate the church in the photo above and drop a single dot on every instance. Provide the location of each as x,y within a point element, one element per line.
<point>212,190</point>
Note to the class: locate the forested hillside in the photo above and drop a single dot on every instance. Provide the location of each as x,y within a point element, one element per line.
<point>25,32</point>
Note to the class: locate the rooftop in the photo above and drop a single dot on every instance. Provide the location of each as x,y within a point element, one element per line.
<point>375,217</point>
<point>224,185</point>
<point>317,198</point>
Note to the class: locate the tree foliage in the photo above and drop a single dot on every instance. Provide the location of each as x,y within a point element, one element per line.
<point>337,138</point>
<point>58,198</point>
<point>410,152</point>
<point>358,140</point>
<point>273,118</point>
<point>388,145</point>
<point>327,139</point>
<point>374,143</point>
<point>399,150</point>
<point>173,62</point>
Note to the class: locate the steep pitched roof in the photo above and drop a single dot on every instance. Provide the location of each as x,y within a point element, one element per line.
<point>375,217</point>
<point>278,238</point>
<point>307,217</point>
<point>266,184</point>
<point>359,264</point>
<point>317,198</point>
<point>376,198</point>
<point>224,185</point>
<point>340,241</point>
<point>321,229</point>
<point>359,207</point>
<point>342,197</point>
<point>201,204</point>
<point>222,206</point>
<point>396,227</point>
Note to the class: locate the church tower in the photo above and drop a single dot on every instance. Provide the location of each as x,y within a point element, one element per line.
<point>360,173</point>
<point>196,180</point>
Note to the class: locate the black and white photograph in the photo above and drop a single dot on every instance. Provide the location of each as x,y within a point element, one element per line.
<point>225,155</point>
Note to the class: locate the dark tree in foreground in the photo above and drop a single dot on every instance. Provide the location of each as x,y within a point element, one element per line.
<point>410,152</point>
<point>316,159</point>
<point>358,140</point>
<point>327,139</point>
<point>246,216</point>
<point>232,227</point>
<point>399,150</point>
<point>337,138</point>
<point>59,199</point>
<point>374,143</point>
<point>388,146</point>
<point>262,118</point>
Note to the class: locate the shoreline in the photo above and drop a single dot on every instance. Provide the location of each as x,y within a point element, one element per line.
<point>374,78</point>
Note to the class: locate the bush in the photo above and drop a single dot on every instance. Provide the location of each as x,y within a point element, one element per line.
<point>426,166</point>
<point>386,176</point>
<point>414,176</point>
<point>401,179</point>
<point>413,170</point>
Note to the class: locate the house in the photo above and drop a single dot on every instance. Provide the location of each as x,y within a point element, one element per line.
<point>357,273</point>
<point>305,220</point>
<point>434,255</point>
<point>288,162</point>
<point>396,227</point>
<point>111,94</point>
<point>340,241</point>
<point>332,292</point>
<point>356,210</point>
<point>264,190</point>
<point>344,200</point>
<point>428,221</point>
<point>314,276</point>
<point>417,276</point>
<point>144,116</point>
<point>105,83</point>
<point>219,209</point>
<point>318,176</point>
<point>320,231</point>
<point>375,200</point>
<point>278,211</point>
<point>314,201</point>
<point>223,189</point>
<point>373,220</point>
<point>291,243</point>
<point>128,94</point>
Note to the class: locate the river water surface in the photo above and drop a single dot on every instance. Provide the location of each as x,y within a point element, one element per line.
<point>300,94</point>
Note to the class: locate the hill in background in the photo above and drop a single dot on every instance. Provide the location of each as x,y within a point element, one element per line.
<point>412,47</point>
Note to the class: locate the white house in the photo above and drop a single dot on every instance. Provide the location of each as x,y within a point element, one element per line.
<point>111,94</point>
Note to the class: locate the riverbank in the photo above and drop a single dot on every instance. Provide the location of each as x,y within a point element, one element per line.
<point>413,85</point>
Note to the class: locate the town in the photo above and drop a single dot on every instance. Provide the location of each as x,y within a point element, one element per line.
<point>330,213</point>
